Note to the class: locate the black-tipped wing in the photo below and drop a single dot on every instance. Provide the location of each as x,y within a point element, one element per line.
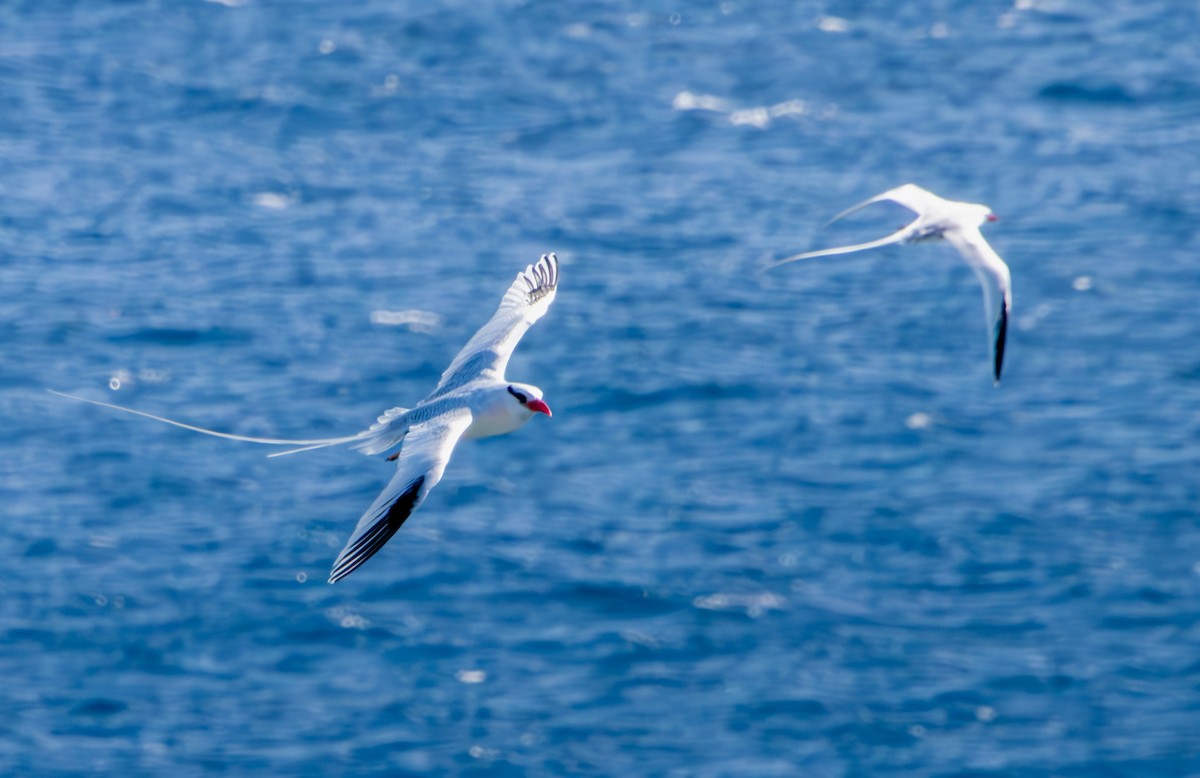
<point>487,352</point>
<point>996,281</point>
<point>999,335</point>
<point>423,457</point>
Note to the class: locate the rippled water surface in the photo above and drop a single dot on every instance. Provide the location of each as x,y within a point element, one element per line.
<point>780,524</point>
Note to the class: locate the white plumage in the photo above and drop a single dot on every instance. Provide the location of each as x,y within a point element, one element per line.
<point>958,224</point>
<point>472,400</point>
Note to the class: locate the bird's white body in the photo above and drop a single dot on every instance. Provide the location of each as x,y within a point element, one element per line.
<point>472,400</point>
<point>958,224</point>
<point>494,413</point>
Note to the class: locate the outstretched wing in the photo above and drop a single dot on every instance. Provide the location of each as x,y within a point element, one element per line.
<point>911,196</point>
<point>486,353</point>
<point>423,457</point>
<point>997,286</point>
<point>307,444</point>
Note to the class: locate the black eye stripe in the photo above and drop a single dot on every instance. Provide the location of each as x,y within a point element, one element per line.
<point>520,397</point>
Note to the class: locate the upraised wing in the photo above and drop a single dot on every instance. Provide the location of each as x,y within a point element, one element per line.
<point>423,457</point>
<point>914,198</point>
<point>994,276</point>
<point>487,352</point>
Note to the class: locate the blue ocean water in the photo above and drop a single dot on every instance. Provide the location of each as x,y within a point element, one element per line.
<point>779,524</point>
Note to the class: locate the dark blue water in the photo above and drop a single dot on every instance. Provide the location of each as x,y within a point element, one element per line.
<point>778,525</point>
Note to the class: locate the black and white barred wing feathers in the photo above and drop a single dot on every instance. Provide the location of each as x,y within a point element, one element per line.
<point>487,352</point>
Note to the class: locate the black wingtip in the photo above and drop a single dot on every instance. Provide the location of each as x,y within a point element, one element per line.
<point>1001,335</point>
<point>355,555</point>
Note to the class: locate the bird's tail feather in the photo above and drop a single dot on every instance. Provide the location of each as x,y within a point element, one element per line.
<point>900,236</point>
<point>388,431</point>
<point>307,445</point>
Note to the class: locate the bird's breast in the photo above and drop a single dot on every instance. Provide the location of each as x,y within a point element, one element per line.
<point>495,422</point>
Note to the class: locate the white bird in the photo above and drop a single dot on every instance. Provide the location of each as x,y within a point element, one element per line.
<point>472,400</point>
<point>958,224</point>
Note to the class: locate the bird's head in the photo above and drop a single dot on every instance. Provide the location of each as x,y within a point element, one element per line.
<point>983,214</point>
<point>968,214</point>
<point>529,398</point>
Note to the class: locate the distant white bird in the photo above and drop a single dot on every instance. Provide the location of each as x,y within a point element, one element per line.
<point>957,223</point>
<point>472,400</point>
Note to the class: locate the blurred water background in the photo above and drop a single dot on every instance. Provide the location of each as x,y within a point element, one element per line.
<point>780,524</point>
